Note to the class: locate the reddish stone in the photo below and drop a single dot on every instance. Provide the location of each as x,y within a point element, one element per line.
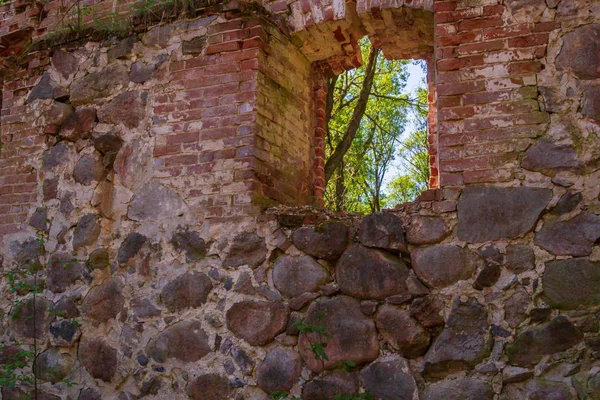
<point>442,265</point>
<point>426,230</point>
<point>353,335</point>
<point>328,240</point>
<point>127,108</point>
<point>293,276</point>
<point>402,331</point>
<point>104,302</point>
<point>371,274</point>
<point>279,371</point>
<point>65,63</point>
<point>189,290</point>
<point>209,387</point>
<point>78,125</point>
<point>185,341</point>
<point>29,323</point>
<point>389,378</point>
<point>257,322</point>
<point>98,358</point>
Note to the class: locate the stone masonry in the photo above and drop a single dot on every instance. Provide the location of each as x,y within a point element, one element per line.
<point>174,174</point>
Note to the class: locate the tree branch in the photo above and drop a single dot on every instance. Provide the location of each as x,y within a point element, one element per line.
<point>361,105</point>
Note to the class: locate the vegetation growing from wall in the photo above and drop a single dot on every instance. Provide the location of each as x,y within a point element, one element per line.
<point>368,117</point>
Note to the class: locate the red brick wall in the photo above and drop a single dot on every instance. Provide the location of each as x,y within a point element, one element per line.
<point>486,87</point>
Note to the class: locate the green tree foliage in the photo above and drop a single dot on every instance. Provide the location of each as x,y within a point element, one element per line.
<point>368,113</point>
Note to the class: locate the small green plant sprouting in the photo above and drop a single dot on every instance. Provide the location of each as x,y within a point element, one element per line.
<point>318,349</point>
<point>16,359</point>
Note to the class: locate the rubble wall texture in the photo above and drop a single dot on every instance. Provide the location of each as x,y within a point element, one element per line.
<point>146,164</point>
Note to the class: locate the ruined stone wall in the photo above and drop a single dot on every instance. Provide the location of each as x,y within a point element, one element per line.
<point>146,162</point>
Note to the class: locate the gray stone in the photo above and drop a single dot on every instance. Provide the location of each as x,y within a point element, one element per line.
<point>127,108</point>
<point>64,333</point>
<point>63,271</point>
<point>247,248</point>
<point>354,337</point>
<point>389,379</point>
<point>488,276</point>
<point>512,374</point>
<point>141,72</point>
<point>257,322</point>
<point>591,102</point>
<point>185,341</point>
<point>442,265</point>
<point>328,240</point>
<point>293,276</point>
<point>519,258</point>
<point>89,394</point>
<point>107,143</point>
<point>331,386</point>
<point>78,124</point>
<point>46,89</point>
<point>55,156</point>
<point>279,370</point>
<point>370,273</point>
<point>463,343</point>
<point>144,308</point>
<point>533,344</point>
<point>122,49</point>
<point>98,84</point>
<point>383,230</point>
<point>243,360</point>
<point>52,365</point>
<point>492,213</point>
<point>571,283</point>
<point>580,52</point>
<point>515,308</point>
<point>30,319</point>
<point>459,389</point>
<point>547,154</point>
<point>65,63</point>
<point>50,187</point>
<point>39,219</point>
<point>158,36</point>
<point>209,387</point>
<point>426,230</point>
<point>66,308</point>
<point>191,243</point>
<point>402,331</point>
<point>189,290</point>
<point>155,202</point>
<point>574,237</point>
<point>104,301</point>
<point>130,247</point>
<point>568,201</point>
<point>87,231</point>
<point>98,358</point>
<point>88,169</point>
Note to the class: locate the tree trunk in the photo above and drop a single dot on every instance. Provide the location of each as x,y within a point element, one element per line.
<point>340,188</point>
<point>361,105</point>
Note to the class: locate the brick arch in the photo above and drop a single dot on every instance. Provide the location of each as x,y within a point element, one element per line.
<point>327,33</point>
